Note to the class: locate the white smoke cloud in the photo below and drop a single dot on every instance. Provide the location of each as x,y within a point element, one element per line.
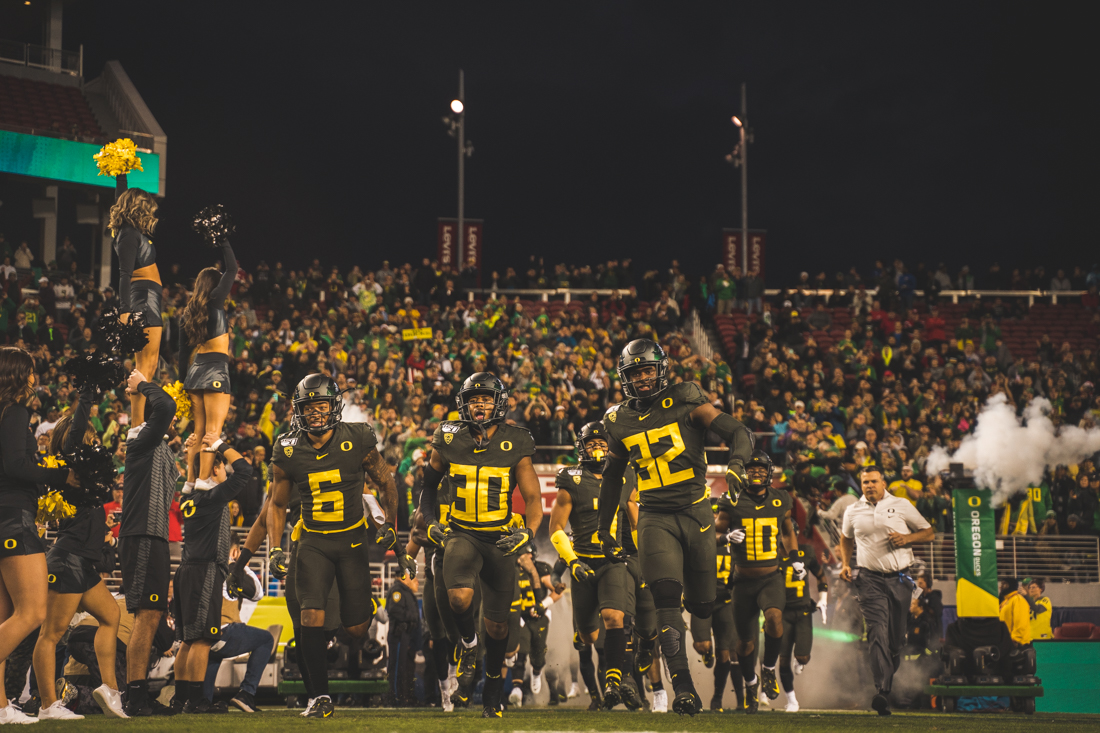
<point>355,413</point>
<point>1007,454</point>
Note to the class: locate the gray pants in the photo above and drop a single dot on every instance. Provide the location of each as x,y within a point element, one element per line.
<point>884,601</point>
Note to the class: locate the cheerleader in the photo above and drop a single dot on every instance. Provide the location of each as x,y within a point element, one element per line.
<point>132,221</point>
<point>204,330</point>
<point>74,582</point>
<point>22,553</point>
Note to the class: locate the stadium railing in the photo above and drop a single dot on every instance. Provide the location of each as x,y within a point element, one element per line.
<point>43,57</point>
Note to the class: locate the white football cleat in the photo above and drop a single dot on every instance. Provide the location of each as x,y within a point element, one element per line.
<point>796,667</point>
<point>792,706</point>
<point>572,691</point>
<point>536,683</point>
<point>11,715</point>
<point>660,702</point>
<point>445,697</point>
<point>515,697</point>
<point>58,711</point>
<point>110,701</point>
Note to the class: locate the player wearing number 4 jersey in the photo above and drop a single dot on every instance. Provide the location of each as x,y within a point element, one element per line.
<point>326,460</point>
<point>757,522</point>
<point>661,432</point>
<point>486,460</point>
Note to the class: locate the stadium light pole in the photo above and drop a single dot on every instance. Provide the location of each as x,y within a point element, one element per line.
<point>739,158</point>
<point>456,127</point>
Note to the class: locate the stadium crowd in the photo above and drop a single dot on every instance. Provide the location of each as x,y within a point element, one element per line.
<point>402,338</point>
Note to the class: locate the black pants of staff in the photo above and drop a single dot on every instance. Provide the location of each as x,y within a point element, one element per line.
<point>884,600</point>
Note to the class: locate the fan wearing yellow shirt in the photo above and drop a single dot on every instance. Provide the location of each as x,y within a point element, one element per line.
<point>907,487</point>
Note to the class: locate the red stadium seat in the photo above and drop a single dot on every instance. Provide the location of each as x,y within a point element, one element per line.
<point>1077,631</point>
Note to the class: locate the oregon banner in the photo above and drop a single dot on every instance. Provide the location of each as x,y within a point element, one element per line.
<point>975,553</point>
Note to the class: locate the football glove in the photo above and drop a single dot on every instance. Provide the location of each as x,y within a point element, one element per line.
<point>736,478</point>
<point>823,606</point>
<point>581,572</point>
<point>610,546</point>
<point>736,537</point>
<point>387,537</point>
<point>278,562</point>
<point>407,563</point>
<point>436,534</point>
<point>799,568</point>
<point>512,543</point>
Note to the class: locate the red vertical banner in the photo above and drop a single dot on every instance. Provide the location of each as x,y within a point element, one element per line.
<point>757,240</point>
<point>448,244</point>
<point>472,245</point>
<point>731,249</point>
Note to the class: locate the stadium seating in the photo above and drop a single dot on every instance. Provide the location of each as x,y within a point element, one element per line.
<point>1077,631</point>
<point>37,105</point>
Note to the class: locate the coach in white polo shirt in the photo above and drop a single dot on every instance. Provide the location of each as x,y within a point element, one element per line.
<point>876,533</point>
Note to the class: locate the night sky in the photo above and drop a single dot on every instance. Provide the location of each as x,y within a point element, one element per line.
<point>959,132</point>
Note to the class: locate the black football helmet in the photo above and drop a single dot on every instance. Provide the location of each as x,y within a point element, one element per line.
<point>482,383</point>
<point>596,461</point>
<point>759,460</point>
<point>643,353</point>
<point>317,388</point>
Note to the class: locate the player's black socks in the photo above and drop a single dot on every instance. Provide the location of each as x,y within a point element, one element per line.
<point>465,622</point>
<point>786,675</point>
<point>748,666</point>
<point>721,672</point>
<point>588,671</point>
<point>441,655</point>
<point>737,681</point>
<point>137,693</point>
<point>614,649</point>
<point>299,660</point>
<point>195,695</point>
<point>771,651</point>
<point>183,690</point>
<point>313,654</point>
<point>495,650</point>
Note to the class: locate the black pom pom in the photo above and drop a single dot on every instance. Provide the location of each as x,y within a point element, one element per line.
<point>122,338</point>
<point>95,468</point>
<point>95,373</point>
<point>214,224</point>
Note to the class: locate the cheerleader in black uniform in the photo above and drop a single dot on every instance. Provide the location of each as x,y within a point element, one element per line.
<point>133,219</point>
<point>204,330</point>
<point>22,553</point>
<point>74,582</point>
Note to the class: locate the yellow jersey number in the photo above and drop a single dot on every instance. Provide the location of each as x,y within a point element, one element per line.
<point>656,469</point>
<point>316,483</point>
<point>474,487</point>
<point>614,522</point>
<point>758,544</point>
<point>798,585</point>
<point>725,565</point>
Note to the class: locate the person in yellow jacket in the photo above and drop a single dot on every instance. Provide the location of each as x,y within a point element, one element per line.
<point>1041,609</point>
<point>907,487</point>
<point>1015,612</point>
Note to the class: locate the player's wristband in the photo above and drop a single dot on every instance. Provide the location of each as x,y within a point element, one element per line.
<point>547,602</point>
<point>561,543</point>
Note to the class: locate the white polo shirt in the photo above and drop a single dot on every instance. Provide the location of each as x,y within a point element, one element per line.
<point>871,526</point>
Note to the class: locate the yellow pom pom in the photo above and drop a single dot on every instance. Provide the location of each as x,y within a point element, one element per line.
<point>52,507</point>
<point>53,462</point>
<point>183,400</point>
<point>118,157</point>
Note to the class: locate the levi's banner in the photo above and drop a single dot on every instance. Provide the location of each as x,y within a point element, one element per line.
<point>456,253</point>
<point>975,553</point>
<point>732,250</point>
<point>448,244</point>
<point>416,334</point>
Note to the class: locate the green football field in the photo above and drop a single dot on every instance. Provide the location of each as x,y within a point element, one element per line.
<point>542,720</point>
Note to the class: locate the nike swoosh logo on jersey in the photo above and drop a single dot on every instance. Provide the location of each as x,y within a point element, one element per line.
<point>480,450</point>
<point>704,529</point>
<point>758,508</point>
<point>643,417</point>
<point>357,544</point>
<point>321,456</point>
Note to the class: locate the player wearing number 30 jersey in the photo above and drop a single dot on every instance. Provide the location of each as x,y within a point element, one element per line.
<point>758,527</point>
<point>661,432</point>
<point>327,460</point>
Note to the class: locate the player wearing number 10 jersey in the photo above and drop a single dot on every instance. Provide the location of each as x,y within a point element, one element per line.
<point>761,535</point>
<point>327,460</point>
<point>661,432</point>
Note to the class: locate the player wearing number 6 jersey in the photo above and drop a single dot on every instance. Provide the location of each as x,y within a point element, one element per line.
<point>601,588</point>
<point>758,527</point>
<point>486,460</point>
<point>661,432</point>
<point>326,460</point>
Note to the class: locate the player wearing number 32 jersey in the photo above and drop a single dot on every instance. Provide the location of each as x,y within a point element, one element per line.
<point>327,460</point>
<point>661,432</point>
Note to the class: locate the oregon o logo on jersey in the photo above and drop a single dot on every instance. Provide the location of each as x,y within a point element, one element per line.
<point>214,630</point>
<point>506,445</point>
<point>10,544</point>
<point>217,384</point>
<point>52,578</point>
<point>777,502</point>
<point>188,509</point>
<point>666,402</point>
<point>154,598</point>
<point>346,446</point>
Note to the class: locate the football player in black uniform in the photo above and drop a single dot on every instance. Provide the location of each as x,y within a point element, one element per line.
<point>602,589</point>
<point>487,460</point>
<point>326,459</point>
<point>717,653</point>
<point>756,522</point>
<point>798,617</point>
<point>661,431</point>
